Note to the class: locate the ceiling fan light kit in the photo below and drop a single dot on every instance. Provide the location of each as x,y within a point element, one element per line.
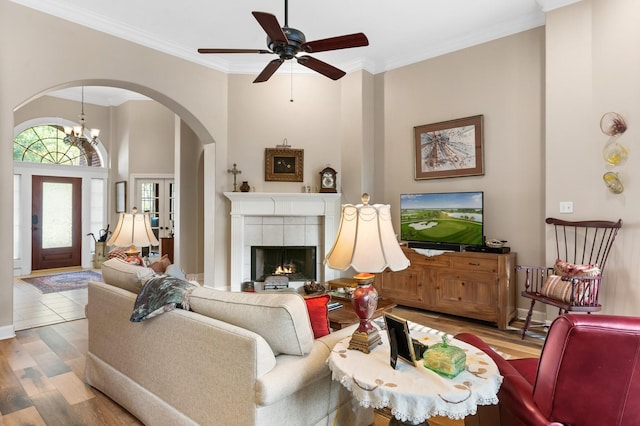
<point>287,42</point>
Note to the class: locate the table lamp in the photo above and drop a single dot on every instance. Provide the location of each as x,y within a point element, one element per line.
<point>133,230</point>
<point>367,243</point>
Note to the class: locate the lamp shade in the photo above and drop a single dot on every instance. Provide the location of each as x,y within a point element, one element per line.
<point>133,229</point>
<point>366,240</point>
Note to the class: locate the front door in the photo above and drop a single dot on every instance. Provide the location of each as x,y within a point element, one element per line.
<point>56,222</point>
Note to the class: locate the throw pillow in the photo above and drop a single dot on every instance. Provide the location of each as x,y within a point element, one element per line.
<point>558,288</point>
<point>318,314</point>
<point>160,265</point>
<point>161,293</point>
<point>567,269</point>
<point>117,252</point>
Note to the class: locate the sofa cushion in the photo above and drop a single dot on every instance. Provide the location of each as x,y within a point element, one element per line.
<point>280,318</point>
<point>121,274</point>
<point>318,314</point>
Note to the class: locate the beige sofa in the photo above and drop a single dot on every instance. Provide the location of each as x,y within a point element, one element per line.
<point>235,359</point>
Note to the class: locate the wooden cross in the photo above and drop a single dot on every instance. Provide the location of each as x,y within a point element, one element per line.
<point>235,172</point>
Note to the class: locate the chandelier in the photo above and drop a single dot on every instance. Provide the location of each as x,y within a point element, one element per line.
<point>75,135</point>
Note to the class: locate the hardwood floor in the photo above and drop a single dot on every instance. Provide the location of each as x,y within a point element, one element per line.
<point>42,372</point>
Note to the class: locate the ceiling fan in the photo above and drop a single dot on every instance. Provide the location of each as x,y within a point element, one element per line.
<point>287,42</point>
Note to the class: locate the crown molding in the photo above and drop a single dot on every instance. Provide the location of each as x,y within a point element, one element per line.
<point>549,5</point>
<point>426,51</point>
<point>433,50</point>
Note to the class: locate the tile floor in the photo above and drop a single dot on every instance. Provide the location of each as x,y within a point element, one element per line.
<point>31,308</point>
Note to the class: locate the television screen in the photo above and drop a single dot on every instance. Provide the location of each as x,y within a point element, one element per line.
<point>442,218</point>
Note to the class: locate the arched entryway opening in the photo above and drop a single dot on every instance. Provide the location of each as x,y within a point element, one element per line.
<point>122,140</point>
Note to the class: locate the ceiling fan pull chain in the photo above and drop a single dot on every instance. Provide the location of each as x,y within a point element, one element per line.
<point>291,67</point>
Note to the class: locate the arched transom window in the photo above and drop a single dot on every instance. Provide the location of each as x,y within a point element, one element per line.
<point>47,144</point>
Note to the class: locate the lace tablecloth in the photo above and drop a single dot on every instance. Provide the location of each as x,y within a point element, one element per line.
<point>414,393</point>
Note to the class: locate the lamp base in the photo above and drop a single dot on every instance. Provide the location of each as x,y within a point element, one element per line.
<point>365,342</point>
<point>132,252</point>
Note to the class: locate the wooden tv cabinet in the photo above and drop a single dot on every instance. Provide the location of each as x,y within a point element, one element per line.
<point>468,284</point>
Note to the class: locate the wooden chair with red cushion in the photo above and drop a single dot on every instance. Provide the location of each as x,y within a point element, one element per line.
<point>588,374</point>
<point>573,284</point>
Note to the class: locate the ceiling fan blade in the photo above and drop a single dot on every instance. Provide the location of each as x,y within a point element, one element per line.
<point>270,25</point>
<point>268,71</point>
<point>321,67</point>
<point>234,51</point>
<point>335,43</point>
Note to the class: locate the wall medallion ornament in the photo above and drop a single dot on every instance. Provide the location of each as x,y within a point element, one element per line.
<point>615,153</point>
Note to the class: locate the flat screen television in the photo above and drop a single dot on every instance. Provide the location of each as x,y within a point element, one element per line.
<point>446,220</point>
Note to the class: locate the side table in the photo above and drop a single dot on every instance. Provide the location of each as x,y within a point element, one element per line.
<point>414,393</point>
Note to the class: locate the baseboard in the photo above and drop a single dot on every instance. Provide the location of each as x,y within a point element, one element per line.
<point>536,317</point>
<point>7,332</point>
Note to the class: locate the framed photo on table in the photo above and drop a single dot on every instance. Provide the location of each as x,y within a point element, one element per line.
<point>400,341</point>
<point>283,165</point>
<point>449,149</point>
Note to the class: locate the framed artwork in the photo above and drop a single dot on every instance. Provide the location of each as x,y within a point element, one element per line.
<point>121,196</point>
<point>283,164</point>
<point>449,149</point>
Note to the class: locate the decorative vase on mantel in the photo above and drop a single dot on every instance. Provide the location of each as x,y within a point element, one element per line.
<point>245,186</point>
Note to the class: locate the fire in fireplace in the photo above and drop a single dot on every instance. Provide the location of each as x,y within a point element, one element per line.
<point>298,263</point>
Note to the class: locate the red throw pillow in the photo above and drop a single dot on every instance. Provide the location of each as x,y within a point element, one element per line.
<point>318,314</point>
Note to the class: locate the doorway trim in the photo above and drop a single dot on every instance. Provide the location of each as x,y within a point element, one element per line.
<point>60,256</point>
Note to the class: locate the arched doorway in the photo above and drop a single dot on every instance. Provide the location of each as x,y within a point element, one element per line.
<point>115,173</point>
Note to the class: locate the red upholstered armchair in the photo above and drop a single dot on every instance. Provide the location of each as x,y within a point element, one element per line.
<point>588,374</point>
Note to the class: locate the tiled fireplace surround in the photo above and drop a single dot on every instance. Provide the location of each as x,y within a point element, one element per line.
<point>281,219</point>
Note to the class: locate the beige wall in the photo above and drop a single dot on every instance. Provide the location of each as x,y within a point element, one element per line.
<point>533,158</point>
<point>593,68</point>
<point>189,241</point>
<point>502,80</point>
<point>151,138</point>
<point>261,116</point>
<point>35,62</point>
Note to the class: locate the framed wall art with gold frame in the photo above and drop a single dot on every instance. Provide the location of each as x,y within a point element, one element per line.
<point>283,165</point>
<point>449,148</point>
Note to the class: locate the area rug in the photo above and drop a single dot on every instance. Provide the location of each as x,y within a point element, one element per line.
<point>64,281</point>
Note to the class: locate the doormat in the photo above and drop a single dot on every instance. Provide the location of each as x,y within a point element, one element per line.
<point>64,281</point>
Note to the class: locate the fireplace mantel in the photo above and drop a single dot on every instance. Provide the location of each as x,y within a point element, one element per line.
<point>243,204</point>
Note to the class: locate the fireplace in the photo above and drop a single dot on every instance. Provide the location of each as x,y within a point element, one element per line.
<point>281,219</point>
<point>298,263</point>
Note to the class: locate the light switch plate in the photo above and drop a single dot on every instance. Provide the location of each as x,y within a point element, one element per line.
<point>566,206</point>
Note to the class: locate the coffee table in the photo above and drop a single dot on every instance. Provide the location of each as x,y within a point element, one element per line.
<point>346,316</point>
